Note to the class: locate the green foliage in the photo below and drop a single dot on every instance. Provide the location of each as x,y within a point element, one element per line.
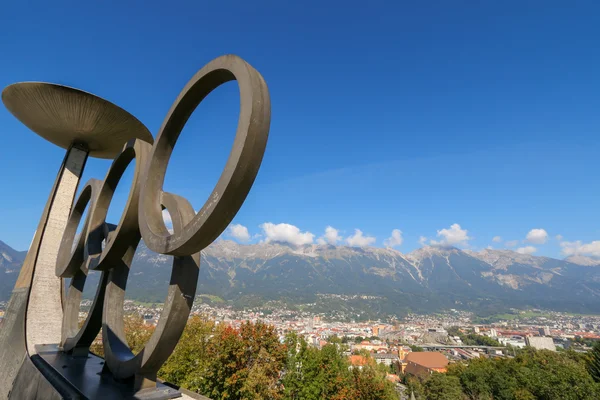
<point>473,339</point>
<point>226,363</point>
<point>313,374</point>
<point>454,331</point>
<point>250,363</point>
<point>414,385</point>
<point>593,362</point>
<point>370,384</point>
<point>136,332</point>
<point>443,387</point>
<point>530,375</point>
<point>243,363</point>
<point>188,362</point>
<point>414,347</point>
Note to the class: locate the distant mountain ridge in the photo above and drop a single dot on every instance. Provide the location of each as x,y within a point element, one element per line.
<point>427,279</point>
<point>10,265</point>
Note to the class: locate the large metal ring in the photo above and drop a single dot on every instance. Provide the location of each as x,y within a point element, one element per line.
<point>72,264</point>
<point>239,173</point>
<point>73,337</point>
<point>127,230</point>
<point>182,289</point>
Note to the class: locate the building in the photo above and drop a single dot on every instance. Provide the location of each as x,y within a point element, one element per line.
<point>540,343</point>
<point>545,331</point>
<point>357,361</point>
<point>386,358</point>
<point>403,351</point>
<point>376,346</point>
<point>377,329</point>
<point>423,363</point>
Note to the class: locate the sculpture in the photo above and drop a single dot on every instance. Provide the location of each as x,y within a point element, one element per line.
<point>87,125</point>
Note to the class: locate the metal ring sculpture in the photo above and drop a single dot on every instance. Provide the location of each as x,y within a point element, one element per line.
<point>142,218</point>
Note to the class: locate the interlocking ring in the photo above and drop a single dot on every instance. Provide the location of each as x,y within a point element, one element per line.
<point>182,290</point>
<point>88,253</point>
<point>70,260</point>
<point>127,229</point>
<point>72,264</point>
<point>142,217</point>
<point>239,173</point>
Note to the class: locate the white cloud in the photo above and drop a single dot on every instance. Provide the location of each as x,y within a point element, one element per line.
<point>286,233</point>
<point>579,248</point>
<point>559,237</point>
<point>331,236</point>
<point>511,243</point>
<point>497,239</point>
<point>452,236</point>
<point>394,240</point>
<point>359,240</point>
<point>537,236</point>
<point>239,232</point>
<point>526,250</point>
<point>422,240</point>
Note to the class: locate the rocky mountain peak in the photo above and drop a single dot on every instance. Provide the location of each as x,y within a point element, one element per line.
<point>583,260</point>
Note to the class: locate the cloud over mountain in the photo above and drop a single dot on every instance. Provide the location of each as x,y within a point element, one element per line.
<point>580,248</point>
<point>286,233</point>
<point>452,236</point>
<point>331,236</point>
<point>537,236</point>
<point>395,240</point>
<point>359,239</point>
<point>239,232</point>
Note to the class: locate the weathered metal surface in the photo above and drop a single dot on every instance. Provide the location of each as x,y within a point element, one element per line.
<point>82,122</point>
<point>85,375</point>
<point>127,232</point>
<point>37,380</point>
<point>66,116</point>
<point>239,172</point>
<point>182,290</point>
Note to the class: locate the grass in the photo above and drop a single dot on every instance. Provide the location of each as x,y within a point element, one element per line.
<point>212,298</point>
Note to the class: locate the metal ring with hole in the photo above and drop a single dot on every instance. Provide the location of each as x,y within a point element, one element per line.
<point>127,230</point>
<point>72,264</point>
<point>95,231</point>
<point>178,304</point>
<point>82,338</point>
<point>69,259</point>
<point>240,170</point>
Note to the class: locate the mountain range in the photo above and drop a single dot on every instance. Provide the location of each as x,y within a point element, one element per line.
<point>427,279</point>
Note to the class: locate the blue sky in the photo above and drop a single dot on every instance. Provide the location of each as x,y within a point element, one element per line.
<point>455,122</point>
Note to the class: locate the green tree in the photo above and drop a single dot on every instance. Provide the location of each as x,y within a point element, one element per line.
<point>137,334</point>
<point>313,374</point>
<point>530,375</point>
<point>593,362</point>
<point>244,363</point>
<point>443,387</point>
<point>371,384</point>
<point>186,366</point>
<point>414,385</point>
